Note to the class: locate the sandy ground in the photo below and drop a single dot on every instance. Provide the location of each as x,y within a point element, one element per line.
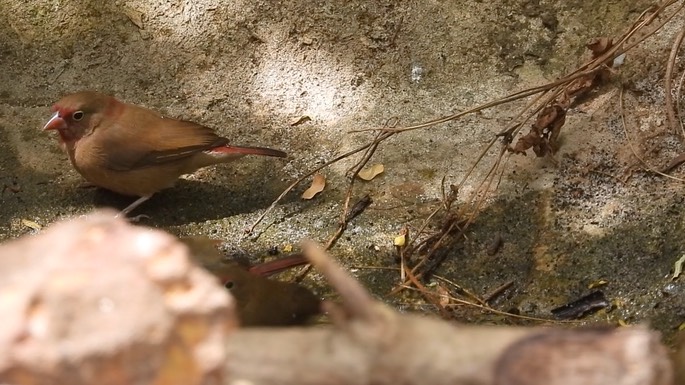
<point>251,69</point>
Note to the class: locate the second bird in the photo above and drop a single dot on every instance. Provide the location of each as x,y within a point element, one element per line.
<point>135,151</point>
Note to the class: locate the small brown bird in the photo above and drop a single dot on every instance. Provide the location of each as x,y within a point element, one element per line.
<point>259,301</point>
<point>135,151</point>
<point>266,302</point>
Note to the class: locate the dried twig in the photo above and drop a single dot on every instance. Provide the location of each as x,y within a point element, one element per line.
<point>632,148</point>
<point>668,87</point>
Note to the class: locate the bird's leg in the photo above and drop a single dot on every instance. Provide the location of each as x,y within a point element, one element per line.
<point>132,206</point>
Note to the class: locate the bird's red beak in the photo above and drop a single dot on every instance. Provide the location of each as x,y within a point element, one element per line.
<point>55,123</point>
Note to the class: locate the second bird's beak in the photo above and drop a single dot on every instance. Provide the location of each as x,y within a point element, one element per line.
<point>55,123</point>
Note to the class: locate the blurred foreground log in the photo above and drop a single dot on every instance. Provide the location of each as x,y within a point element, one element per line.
<point>372,344</point>
<point>97,301</point>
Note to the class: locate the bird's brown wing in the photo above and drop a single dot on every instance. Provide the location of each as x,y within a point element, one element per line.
<point>142,138</point>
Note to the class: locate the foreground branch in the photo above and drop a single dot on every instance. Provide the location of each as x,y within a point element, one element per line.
<point>372,344</point>
<point>97,301</point>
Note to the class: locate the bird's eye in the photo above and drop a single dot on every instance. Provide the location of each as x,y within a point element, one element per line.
<point>228,285</point>
<point>78,115</point>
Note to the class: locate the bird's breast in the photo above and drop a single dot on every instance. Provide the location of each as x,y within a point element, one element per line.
<point>90,162</point>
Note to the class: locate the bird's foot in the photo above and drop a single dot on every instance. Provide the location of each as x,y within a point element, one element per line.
<point>129,208</point>
<point>134,219</point>
<point>138,217</point>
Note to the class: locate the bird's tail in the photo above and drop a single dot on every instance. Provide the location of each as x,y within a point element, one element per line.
<point>266,269</point>
<point>238,150</point>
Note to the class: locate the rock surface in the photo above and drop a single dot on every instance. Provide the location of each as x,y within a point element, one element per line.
<point>258,70</point>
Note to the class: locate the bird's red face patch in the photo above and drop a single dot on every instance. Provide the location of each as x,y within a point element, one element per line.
<point>69,122</point>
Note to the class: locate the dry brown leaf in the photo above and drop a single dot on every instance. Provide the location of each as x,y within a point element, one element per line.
<point>318,184</point>
<point>135,16</point>
<point>371,172</point>
<point>31,224</point>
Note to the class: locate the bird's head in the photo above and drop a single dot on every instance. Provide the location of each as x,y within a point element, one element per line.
<point>77,115</point>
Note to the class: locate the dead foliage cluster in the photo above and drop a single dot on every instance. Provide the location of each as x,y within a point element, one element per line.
<point>544,133</point>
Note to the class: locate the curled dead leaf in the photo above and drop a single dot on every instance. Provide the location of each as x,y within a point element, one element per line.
<point>543,133</point>
<point>371,172</point>
<point>599,46</point>
<point>444,296</point>
<point>318,184</point>
<point>300,120</point>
